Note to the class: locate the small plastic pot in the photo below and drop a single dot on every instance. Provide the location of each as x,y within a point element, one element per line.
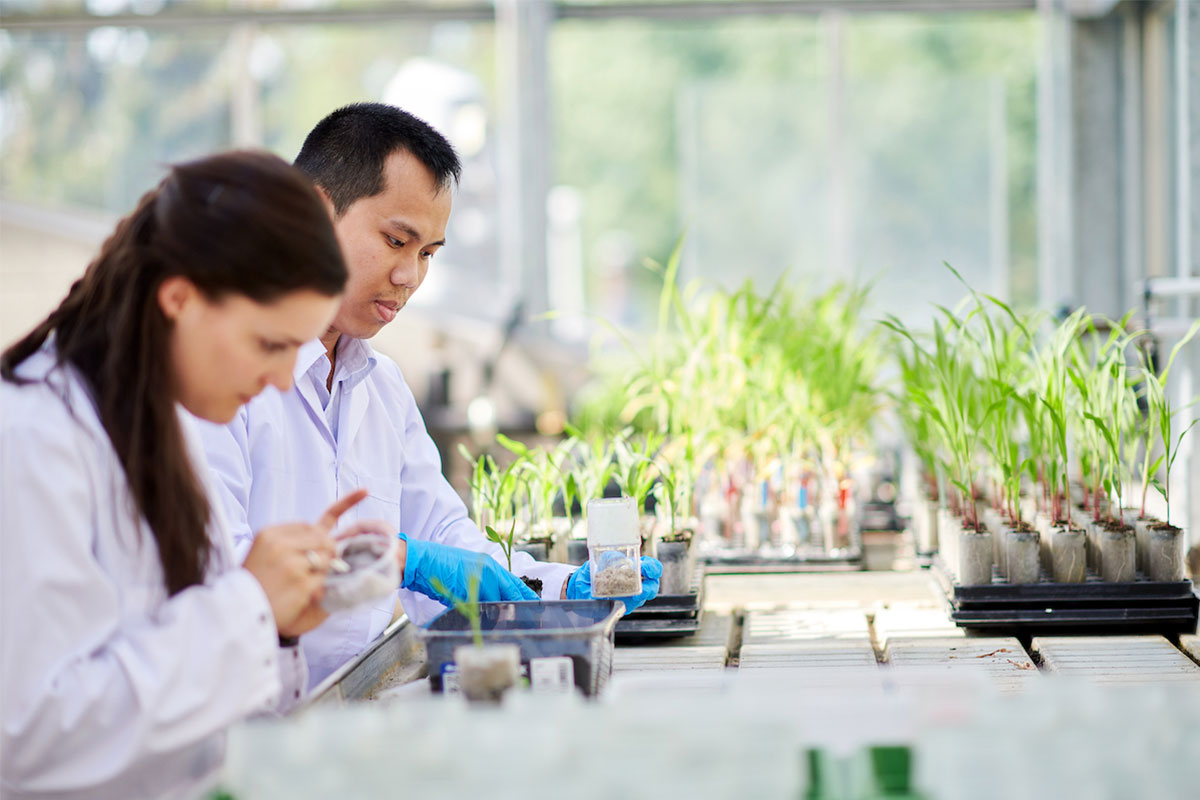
<point>1141,528</point>
<point>1068,555</point>
<point>1118,554</point>
<point>1022,550</point>
<point>677,574</point>
<point>975,555</point>
<point>577,552</point>
<point>540,550</point>
<point>486,673</point>
<point>1164,552</point>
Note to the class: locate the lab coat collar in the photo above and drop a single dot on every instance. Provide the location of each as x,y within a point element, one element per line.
<point>356,358</point>
<point>306,357</point>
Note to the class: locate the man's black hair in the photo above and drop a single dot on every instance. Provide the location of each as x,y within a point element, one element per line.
<point>344,154</point>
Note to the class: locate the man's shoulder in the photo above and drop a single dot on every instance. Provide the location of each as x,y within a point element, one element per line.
<point>387,374</point>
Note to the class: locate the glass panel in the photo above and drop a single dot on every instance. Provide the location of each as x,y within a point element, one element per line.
<point>873,145</point>
<point>442,73</point>
<point>90,118</point>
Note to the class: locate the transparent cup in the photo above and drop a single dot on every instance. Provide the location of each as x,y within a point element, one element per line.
<point>373,573</point>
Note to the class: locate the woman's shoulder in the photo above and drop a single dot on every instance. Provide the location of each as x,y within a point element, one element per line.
<point>49,400</point>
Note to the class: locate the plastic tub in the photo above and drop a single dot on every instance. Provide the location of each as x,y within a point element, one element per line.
<point>581,630</point>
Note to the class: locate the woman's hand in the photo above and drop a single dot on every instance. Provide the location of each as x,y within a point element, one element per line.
<point>291,562</point>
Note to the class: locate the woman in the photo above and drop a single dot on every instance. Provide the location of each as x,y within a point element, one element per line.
<point>129,640</point>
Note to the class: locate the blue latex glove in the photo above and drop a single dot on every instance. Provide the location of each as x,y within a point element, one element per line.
<point>454,566</point>
<point>579,585</point>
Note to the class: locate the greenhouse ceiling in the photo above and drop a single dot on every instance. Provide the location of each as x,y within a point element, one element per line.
<point>47,14</point>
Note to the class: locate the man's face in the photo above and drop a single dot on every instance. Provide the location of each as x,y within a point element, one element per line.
<point>388,241</point>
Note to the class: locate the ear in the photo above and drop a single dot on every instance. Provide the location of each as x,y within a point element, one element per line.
<point>174,296</point>
<point>326,201</point>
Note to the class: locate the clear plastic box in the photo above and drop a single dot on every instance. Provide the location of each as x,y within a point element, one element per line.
<point>616,570</point>
<point>373,575</point>
<point>581,630</point>
<point>614,547</point>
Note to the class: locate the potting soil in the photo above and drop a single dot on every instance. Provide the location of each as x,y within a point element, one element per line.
<point>619,580</point>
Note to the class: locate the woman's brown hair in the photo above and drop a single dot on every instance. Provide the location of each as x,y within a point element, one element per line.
<point>240,223</point>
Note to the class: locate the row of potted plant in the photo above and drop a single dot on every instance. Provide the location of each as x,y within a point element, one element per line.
<point>1034,436</point>
<point>537,502</point>
<point>765,403</point>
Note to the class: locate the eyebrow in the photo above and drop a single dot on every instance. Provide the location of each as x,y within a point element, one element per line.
<point>412,232</point>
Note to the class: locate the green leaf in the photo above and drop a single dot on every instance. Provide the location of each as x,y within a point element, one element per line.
<point>512,445</point>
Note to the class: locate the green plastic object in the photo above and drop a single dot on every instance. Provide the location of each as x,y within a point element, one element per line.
<point>892,767</point>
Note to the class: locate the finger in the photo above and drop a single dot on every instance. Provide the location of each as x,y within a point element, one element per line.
<point>366,526</point>
<point>651,568</point>
<point>330,517</point>
<point>520,591</point>
<point>309,537</point>
<point>299,537</point>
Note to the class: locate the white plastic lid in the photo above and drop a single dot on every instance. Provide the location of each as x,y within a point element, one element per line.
<point>613,521</point>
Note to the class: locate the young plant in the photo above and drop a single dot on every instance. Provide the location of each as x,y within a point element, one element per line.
<point>593,461</point>
<point>1160,416</point>
<point>505,540</point>
<point>494,491</point>
<point>1055,401</point>
<point>469,608</point>
<point>1109,408</point>
<point>952,400</point>
<point>636,471</point>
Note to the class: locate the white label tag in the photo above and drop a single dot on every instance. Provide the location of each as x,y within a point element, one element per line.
<point>552,675</point>
<point>450,679</point>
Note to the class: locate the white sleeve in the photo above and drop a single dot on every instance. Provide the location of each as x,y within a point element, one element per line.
<point>431,509</point>
<point>227,451</point>
<point>89,686</point>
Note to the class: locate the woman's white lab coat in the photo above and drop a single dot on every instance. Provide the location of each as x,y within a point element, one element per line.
<point>108,688</point>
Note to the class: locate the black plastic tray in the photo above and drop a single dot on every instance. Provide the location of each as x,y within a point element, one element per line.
<point>579,629</point>
<point>1092,606</point>
<point>667,616</point>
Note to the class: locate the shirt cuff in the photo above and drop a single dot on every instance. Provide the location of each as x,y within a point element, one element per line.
<point>553,580</point>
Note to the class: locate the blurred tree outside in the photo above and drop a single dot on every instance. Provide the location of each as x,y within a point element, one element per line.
<point>90,118</point>
<point>616,128</point>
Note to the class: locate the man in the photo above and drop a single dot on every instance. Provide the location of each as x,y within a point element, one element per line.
<point>350,420</point>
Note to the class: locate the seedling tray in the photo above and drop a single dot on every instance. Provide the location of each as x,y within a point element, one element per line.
<point>744,564</point>
<point>581,630</point>
<point>667,616</point>
<point>1095,606</point>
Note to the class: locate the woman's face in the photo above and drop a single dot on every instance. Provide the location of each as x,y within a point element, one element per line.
<point>225,352</point>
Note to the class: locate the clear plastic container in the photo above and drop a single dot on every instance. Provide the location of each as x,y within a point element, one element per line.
<point>373,575</point>
<point>614,547</point>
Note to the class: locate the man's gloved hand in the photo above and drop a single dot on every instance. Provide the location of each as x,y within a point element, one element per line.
<point>453,566</point>
<point>579,585</point>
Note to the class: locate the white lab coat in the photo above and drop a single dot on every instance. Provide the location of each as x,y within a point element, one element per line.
<point>108,688</point>
<point>288,455</point>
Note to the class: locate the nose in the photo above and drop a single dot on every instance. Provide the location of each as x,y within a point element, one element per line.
<point>407,272</point>
<point>281,376</point>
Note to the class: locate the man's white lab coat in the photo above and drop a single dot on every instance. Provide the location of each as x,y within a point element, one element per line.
<point>108,688</point>
<point>288,455</point>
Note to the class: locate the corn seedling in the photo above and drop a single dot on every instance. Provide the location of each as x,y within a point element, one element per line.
<point>1160,415</point>
<point>469,607</point>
